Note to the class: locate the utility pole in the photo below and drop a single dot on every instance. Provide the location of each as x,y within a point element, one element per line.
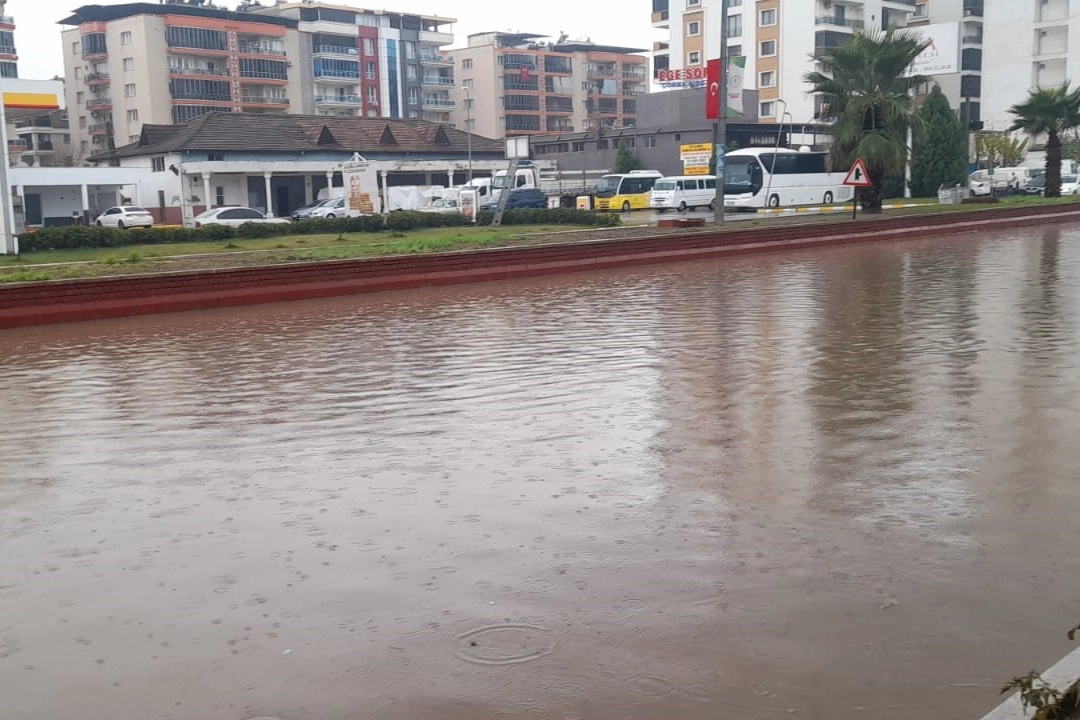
<point>720,126</point>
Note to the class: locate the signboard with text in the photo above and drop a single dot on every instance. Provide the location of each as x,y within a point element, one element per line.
<point>942,56</point>
<point>695,158</point>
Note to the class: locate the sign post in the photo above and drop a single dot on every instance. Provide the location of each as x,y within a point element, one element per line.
<point>857,177</point>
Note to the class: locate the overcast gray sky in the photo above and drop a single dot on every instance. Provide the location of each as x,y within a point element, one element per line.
<point>621,22</point>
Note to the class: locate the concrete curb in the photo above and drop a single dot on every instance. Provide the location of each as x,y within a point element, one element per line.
<point>60,301</point>
<point>826,209</point>
<point>1061,675</point>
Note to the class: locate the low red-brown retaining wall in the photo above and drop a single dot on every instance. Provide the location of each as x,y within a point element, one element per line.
<point>59,301</point>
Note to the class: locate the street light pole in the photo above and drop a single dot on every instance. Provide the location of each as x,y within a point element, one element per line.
<point>720,127</point>
<point>776,151</point>
<point>468,133</point>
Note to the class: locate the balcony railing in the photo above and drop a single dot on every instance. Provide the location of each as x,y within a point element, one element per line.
<point>509,64</point>
<point>263,100</point>
<point>435,80</point>
<point>338,74</point>
<point>44,146</point>
<point>839,22</point>
<point>335,50</point>
<point>431,59</point>
<point>97,78</point>
<point>6,49</point>
<point>97,129</point>
<point>262,75</point>
<point>18,146</point>
<point>517,85</point>
<point>558,68</point>
<point>260,50</point>
<point>99,102</point>
<point>204,97</point>
<point>443,103</point>
<point>214,72</point>
<point>338,100</point>
<point>7,19</point>
<point>193,46</point>
<point>972,39</point>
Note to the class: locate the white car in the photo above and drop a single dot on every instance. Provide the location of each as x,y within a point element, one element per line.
<point>233,216</point>
<point>1070,185</point>
<point>336,208</point>
<point>125,216</point>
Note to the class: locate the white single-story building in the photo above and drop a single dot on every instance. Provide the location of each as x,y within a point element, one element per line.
<point>47,196</point>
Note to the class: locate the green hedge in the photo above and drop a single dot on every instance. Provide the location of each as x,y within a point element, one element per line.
<point>64,238</point>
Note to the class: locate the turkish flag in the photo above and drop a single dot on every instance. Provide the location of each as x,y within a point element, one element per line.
<point>712,90</point>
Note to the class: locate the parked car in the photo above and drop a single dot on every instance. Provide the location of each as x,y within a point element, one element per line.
<point>333,208</point>
<point>1036,186</point>
<point>444,206</point>
<point>1070,184</point>
<point>304,213</point>
<point>125,216</point>
<point>520,198</point>
<point>234,216</point>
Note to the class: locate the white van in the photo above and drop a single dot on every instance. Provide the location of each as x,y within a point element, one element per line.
<point>982,182</point>
<point>684,192</point>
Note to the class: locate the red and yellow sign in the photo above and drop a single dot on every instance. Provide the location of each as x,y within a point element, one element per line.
<point>32,94</point>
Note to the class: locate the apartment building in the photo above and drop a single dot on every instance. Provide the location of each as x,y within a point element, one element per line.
<point>371,62</point>
<point>40,140</point>
<point>9,67</point>
<point>776,37</point>
<point>961,22</point>
<point>138,63</point>
<point>522,84</point>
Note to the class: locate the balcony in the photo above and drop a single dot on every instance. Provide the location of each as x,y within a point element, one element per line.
<point>559,106</point>
<point>438,103</point>
<point>558,66</point>
<point>640,74</point>
<point>661,19</point>
<point>601,71</point>
<point>202,97</point>
<point>255,49</point>
<point>833,21</point>
<point>434,37</point>
<point>512,82</point>
<point>437,60</point>
<point>339,100</point>
<point>17,147</point>
<point>95,55</point>
<point>972,38</point>
<point>198,72</point>
<point>265,101</point>
<point>98,129</point>
<point>336,50</point>
<point>98,103</point>
<point>436,80</point>
<point>7,20</point>
<point>555,126</point>
<point>97,79</point>
<point>330,75</point>
<point>518,62</point>
<point>7,49</point>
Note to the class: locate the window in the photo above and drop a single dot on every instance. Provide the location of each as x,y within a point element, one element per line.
<point>129,64</point>
<point>578,146</point>
<point>649,141</point>
<point>67,139</point>
<point>734,50</point>
<point>133,138</point>
<point>693,58</point>
<point>767,17</point>
<point>219,195</point>
<point>466,64</point>
<point>215,156</point>
<point>414,96</point>
<point>371,71</point>
<point>129,90</point>
<point>768,109</point>
<point>767,79</point>
<point>410,50</point>
<point>75,50</point>
<point>734,26</point>
<point>693,28</point>
<point>80,97</point>
<point>125,37</point>
<point>82,122</point>
<point>78,73</point>
<point>468,84</point>
<point>693,3</point>
<point>372,95</point>
<point>369,46</point>
<point>84,145</point>
<point>132,116</point>
<point>768,48</point>
<point>157,164</point>
<point>410,72</point>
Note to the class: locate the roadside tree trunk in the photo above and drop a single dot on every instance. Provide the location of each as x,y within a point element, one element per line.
<point>872,196</point>
<point>1053,166</point>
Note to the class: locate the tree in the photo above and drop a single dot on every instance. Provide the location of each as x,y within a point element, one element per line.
<point>1070,147</point>
<point>1051,112</point>
<point>940,156</point>
<point>870,96</point>
<point>1000,149</point>
<point>626,161</point>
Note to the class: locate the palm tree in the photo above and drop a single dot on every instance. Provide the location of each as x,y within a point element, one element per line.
<point>1051,112</point>
<point>870,98</point>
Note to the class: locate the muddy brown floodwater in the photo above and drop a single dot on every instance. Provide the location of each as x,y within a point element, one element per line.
<point>836,484</point>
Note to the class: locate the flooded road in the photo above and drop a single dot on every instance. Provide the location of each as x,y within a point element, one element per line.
<point>836,484</point>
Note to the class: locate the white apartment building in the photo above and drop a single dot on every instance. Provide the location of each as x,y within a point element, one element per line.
<point>777,37</point>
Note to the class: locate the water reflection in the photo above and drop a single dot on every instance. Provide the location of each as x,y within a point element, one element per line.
<point>819,484</point>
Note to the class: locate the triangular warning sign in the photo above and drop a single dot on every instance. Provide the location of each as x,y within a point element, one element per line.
<point>857,175</point>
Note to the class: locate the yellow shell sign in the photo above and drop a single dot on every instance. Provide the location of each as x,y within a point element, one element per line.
<point>32,94</point>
